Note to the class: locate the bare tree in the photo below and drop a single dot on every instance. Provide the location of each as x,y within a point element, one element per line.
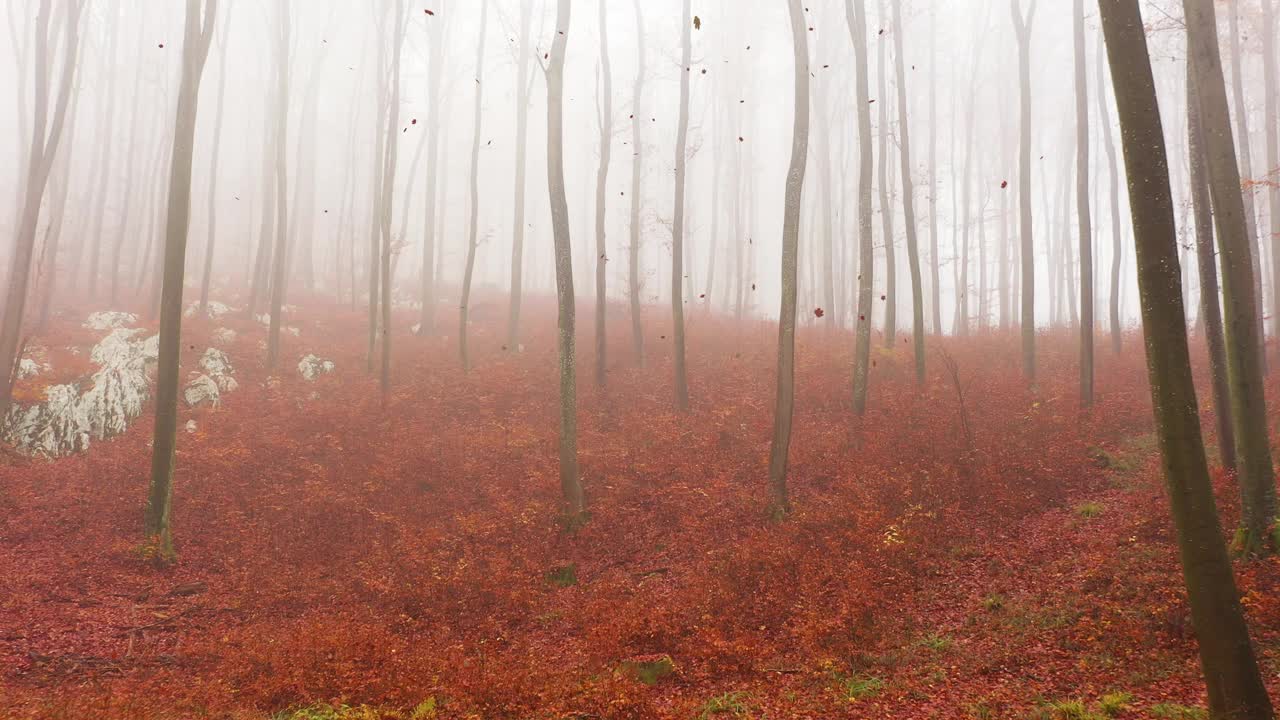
<point>856,17</point>
<point>602,179</point>
<point>1022,26</point>
<point>908,197</point>
<point>45,137</point>
<point>207,271</point>
<point>427,320</point>
<point>1083,218</point>
<point>1226,657</point>
<point>1108,142</point>
<point>637,167</point>
<point>570,484</point>
<point>784,404</point>
<point>474,226</point>
<point>1240,305</point>
<point>195,49</point>
<point>524,84</point>
<point>677,220</point>
<point>280,258</point>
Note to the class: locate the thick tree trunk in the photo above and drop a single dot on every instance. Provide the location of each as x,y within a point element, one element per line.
<point>1226,657</point>
<point>784,404</point>
<point>570,484</point>
<point>1248,396</point>
<point>195,49</point>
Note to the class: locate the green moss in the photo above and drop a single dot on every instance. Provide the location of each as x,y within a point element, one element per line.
<point>857,686</point>
<point>1174,711</point>
<point>1115,703</point>
<point>649,672</point>
<point>936,642</point>
<point>564,576</point>
<point>1089,510</point>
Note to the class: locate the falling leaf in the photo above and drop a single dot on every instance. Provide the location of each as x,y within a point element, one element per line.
<point>818,312</point>
<point>697,23</point>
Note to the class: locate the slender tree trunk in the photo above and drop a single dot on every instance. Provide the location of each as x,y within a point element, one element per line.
<point>104,167</point>
<point>637,167</point>
<point>474,226</point>
<point>398,22</point>
<point>785,394</point>
<point>677,221</point>
<point>935,285</point>
<point>1248,397</point>
<point>195,50</point>
<point>212,210</point>
<point>43,149</point>
<point>1231,673</point>
<point>524,82</point>
<point>908,197</point>
<point>1270,119</point>
<point>570,484</point>
<point>1083,218</point>
<point>427,320</point>
<point>856,17</point>
<point>886,203</point>
<point>280,255</point>
<point>1117,254</point>
<point>1210,311</point>
<point>602,179</point>
<point>1022,24</point>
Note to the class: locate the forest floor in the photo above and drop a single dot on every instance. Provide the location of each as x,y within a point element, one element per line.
<point>342,555</point>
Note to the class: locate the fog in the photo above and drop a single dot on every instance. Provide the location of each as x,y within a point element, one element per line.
<point>638,358</point>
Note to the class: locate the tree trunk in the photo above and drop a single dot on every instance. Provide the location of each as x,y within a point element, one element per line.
<point>908,197</point>
<point>602,179</point>
<point>677,221</point>
<point>195,48</point>
<point>474,226</point>
<point>427,320</point>
<point>1231,673</point>
<point>935,285</point>
<point>1246,160</point>
<point>1270,120</point>
<point>785,395</point>
<point>212,210</point>
<point>1084,220</point>
<point>1117,255</point>
<point>398,22</point>
<point>886,203</point>
<point>856,17</point>
<point>524,81</point>
<point>1022,25</point>
<point>1210,311</point>
<point>43,149</point>
<point>570,484</point>
<point>1248,396</point>
<point>637,166</point>
<point>280,258</point>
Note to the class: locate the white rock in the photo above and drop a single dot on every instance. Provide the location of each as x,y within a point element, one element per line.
<point>312,367</point>
<point>29,368</point>
<point>191,426</point>
<point>68,419</point>
<point>202,390</point>
<point>224,336</point>
<point>214,309</point>
<point>417,327</point>
<point>109,319</point>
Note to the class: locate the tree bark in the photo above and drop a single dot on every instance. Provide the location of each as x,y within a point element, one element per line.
<point>856,17</point>
<point>524,82</point>
<point>677,221</point>
<point>570,484</point>
<point>195,49</point>
<point>602,179</point>
<point>637,166</point>
<point>1083,217</point>
<point>908,197</point>
<point>784,404</point>
<point>474,224</point>
<point>280,258</point>
<point>1117,255</point>
<point>1022,26</point>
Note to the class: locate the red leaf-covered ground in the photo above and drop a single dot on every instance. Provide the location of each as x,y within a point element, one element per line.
<point>338,550</point>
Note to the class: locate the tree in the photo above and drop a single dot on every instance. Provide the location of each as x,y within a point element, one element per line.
<point>207,271</point>
<point>570,484</point>
<point>784,403</point>
<point>1083,218</point>
<point>45,138</point>
<point>1210,311</point>
<point>1226,657</point>
<point>280,256</point>
<point>908,197</point>
<point>602,179</point>
<point>677,220</point>
<point>195,49</point>
<point>1022,27</point>
<point>398,22</point>
<point>856,17</point>
<point>1104,115</point>
<point>886,205</point>
<point>474,224</point>
<point>524,83</point>
<point>1246,154</point>
<point>427,320</point>
<point>1240,305</point>
<point>1270,118</point>
<point>637,166</point>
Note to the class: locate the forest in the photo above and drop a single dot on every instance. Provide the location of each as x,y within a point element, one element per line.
<point>639,359</point>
